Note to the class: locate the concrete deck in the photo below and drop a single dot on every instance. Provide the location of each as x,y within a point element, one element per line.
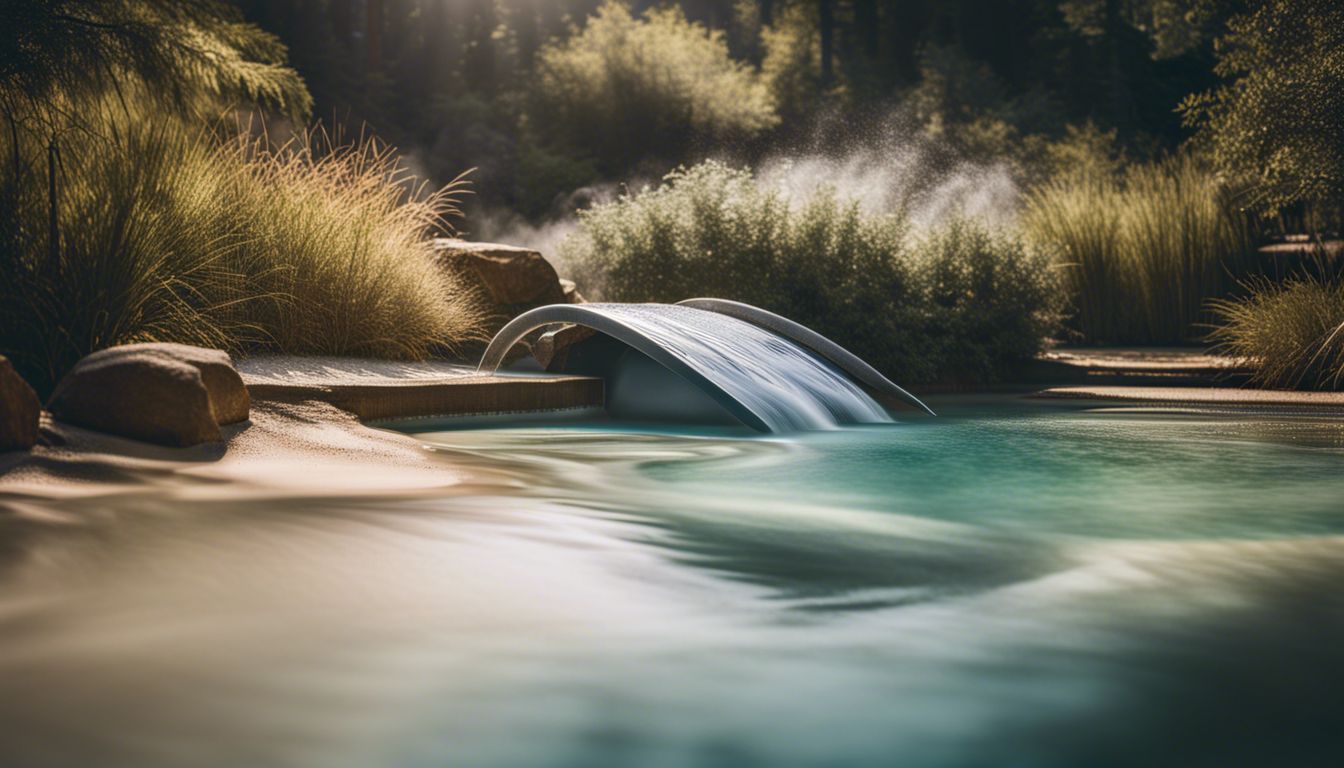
<point>376,389</point>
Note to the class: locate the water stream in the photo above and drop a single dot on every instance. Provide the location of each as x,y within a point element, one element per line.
<point>763,379</point>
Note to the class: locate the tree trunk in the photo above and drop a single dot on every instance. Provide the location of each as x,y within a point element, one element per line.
<point>374,13</point>
<point>529,34</point>
<point>865,18</point>
<point>342,22</point>
<point>826,9</point>
<point>767,12</point>
<point>1119,89</point>
<point>907,24</point>
<point>480,58</point>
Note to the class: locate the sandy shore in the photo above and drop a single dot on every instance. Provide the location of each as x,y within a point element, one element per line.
<point>305,449</point>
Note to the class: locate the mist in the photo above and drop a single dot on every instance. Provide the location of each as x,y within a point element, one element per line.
<point>916,176</point>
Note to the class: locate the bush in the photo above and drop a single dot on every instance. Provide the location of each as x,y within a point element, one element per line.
<point>1292,334</point>
<point>1144,251</point>
<point>993,300</point>
<point>627,88</point>
<point>958,303</point>
<point>166,235</point>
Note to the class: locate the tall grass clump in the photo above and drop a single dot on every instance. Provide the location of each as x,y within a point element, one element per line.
<point>165,233</point>
<point>1142,251</point>
<point>1292,334</point>
<point>333,249</point>
<point>959,303</point>
<point>626,87</point>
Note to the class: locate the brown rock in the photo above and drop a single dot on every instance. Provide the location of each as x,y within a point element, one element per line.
<point>20,410</point>
<point>138,395</point>
<point>508,275</point>
<point>229,400</point>
<point>171,394</point>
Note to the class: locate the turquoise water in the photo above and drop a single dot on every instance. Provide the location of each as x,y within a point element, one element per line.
<point>1009,584</point>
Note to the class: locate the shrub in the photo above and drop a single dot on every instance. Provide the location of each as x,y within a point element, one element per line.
<point>993,300</point>
<point>1144,251</point>
<point>959,302</point>
<point>625,88</point>
<point>166,235</point>
<point>1292,334</point>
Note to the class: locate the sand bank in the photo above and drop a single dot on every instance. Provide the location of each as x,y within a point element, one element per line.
<point>303,449</point>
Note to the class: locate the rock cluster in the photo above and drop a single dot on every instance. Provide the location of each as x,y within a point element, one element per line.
<point>170,394</point>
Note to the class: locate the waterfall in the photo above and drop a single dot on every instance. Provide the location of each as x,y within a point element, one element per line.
<point>764,379</point>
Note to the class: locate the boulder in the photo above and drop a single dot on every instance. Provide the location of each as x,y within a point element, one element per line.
<point>229,400</point>
<point>20,410</point>
<point>171,394</point>
<point>552,348</point>
<point>510,277</point>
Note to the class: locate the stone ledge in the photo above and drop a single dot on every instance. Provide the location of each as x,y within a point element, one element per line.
<point>375,389</point>
<point>1135,359</point>
<point>457,397</point>
<point>1201,396</point>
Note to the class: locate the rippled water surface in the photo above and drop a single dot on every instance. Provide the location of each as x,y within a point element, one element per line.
<point>1009,584</point>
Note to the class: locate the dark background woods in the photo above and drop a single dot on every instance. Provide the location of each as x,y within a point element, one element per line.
<point>454,82</point>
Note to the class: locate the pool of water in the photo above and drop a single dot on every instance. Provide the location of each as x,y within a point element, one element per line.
<point>1013,583</point>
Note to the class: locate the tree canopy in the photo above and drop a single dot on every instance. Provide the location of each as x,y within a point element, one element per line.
<point>1278,121</point>
<point>182,51</point>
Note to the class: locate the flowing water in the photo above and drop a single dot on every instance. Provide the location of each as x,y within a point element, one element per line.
<point>1010,584</point>
<point>781,386</point>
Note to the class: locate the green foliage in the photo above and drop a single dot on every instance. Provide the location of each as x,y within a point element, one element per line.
<point>543,174</point>
<point>991,71</point>
<point>185,52</point>
<point>1279,119</point>
<point>167,235</point>
<point>1292,334</point>
<point>792,59</point>
<point>1082,152</point>
<point>959,303</point>
<point>993,300</point>
<point>1143,251</point>
<point>625,88</point>
<point>1174,26</point>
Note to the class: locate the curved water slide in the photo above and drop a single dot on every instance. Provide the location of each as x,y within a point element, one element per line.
<point>765,371</point>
